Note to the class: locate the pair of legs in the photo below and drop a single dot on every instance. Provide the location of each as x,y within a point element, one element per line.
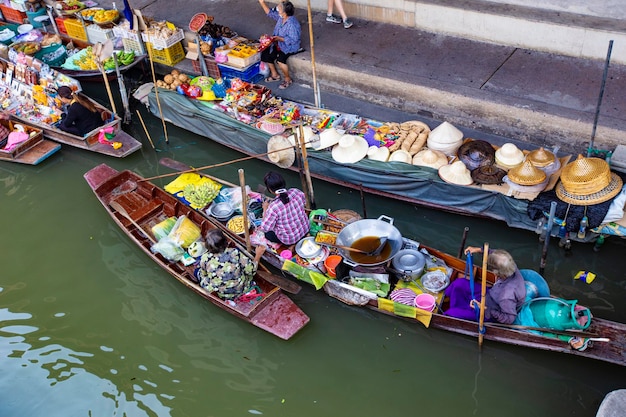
<point>339,4</point>
<point>273,57</point>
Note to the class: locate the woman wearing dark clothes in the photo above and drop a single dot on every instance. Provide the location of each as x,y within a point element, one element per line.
<point>81,116</point>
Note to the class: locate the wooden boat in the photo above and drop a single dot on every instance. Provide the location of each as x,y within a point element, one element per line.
<point>147,205</point>
<point>613,351</point>
<point>90,140</point>
<point>32,151</point>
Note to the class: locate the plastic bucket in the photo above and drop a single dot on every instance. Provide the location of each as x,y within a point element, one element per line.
<point>331,265</point>
<point>425,302</point>
<point>53,55</point>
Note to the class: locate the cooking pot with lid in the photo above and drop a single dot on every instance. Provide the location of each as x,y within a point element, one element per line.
<point>409,264</point>
<point>373,229</point>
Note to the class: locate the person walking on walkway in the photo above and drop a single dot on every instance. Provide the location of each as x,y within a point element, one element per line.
<point>330,17</point>
<point>286,40</point>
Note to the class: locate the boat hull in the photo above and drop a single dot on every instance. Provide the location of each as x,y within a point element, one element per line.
<point>32,151</point>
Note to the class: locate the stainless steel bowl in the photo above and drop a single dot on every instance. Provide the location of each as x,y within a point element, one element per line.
<point>221,211</point>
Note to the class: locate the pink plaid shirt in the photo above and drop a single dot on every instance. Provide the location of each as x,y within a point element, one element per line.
<point>289,221</point>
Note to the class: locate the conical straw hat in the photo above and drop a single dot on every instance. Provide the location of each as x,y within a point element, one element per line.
<point>527,174</point>
<point>541,158</point>
<point>445,133</point>
<point>456,173</point>
<point>283,158</point>
<point>586,176</point>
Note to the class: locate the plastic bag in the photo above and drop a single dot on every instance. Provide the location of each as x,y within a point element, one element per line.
<point>169,248</point>
<point>232,196</point>
<point>184,232</point>
<point>264,69</point>
<point>162,229</point>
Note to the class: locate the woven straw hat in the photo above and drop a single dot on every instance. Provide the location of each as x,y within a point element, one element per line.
<point>401,156</point>
<point>311,139</point>
<point>541,158</point>
<point>283,158</point>
<point>509,156</point>
<point>476,153</point>
<point>445,138</point>
<point>456,173</point>
<point>527,174</point>
<point>588,181</point>
<point>488,174</point>
<point>378,153</point>
<point>328,137</point>
<point>350,149</point>
<point>430,158</point>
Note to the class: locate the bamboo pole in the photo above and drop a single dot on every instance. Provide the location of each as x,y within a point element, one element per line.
<point>316,92</point>
<point>145,129</point>
<point>216,165</point>
<point>305,163</point>
<point>483,293</point>
<point>156,94</point>
<point>244,209</point>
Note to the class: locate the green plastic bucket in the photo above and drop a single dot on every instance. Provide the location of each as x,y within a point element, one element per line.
<point>559,314</point>
<point>32,15</point>
<point>53,55</point>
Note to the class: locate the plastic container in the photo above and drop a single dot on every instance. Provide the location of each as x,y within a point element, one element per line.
<point>134,46</point>
<point>331,264</point>
<point>97,34</point>
<point>168,56</point>
<point>53,55</point>
<point>32,15</point>
<point>250,74</point>
<point>60,22</point>
<point>12,15</point>
<point>425,302</point>
<point>75,29</point>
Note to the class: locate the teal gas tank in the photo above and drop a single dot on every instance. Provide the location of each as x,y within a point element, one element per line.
<point>559,314</point>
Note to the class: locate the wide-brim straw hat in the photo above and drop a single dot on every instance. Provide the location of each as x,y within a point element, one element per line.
<point>328,137</point>
<point>488,174</point>
<point>476,153</point>
<point>430,158</point>
<point>284,157</point>
<point>311,139</point>
<point>509,156</point>
<point>350,149</point>
<point>378,153</point>
<point>271,126</point>
<point>400,156</point>
<point>456,173</point>
<point>541,158</point>
<point>607,193</point>
<point>527,174</point>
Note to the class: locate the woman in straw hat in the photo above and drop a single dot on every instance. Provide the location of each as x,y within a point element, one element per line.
<point>284,218</point>
<point>503,299</point>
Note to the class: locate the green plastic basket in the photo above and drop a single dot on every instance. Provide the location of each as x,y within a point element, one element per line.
<point>53,55</point>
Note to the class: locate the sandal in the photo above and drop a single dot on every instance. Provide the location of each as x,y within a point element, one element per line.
<point>271,79</point>
<point>285,84</point>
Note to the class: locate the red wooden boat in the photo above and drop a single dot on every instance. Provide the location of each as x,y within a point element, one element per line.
<point>32,151</point>
<point>146,205</point>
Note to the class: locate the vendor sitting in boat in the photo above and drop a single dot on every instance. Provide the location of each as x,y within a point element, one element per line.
<point>285,221</point>
<point>226,270</point>
<point>81,116</point>
<point>503,299</point>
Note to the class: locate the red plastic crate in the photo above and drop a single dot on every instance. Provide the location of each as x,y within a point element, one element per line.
<point>60,25</point>
<point>12,15</point>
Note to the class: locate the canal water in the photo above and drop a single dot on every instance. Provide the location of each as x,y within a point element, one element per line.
<point>89,326</point>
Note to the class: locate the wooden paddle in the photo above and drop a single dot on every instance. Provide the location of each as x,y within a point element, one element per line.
<point>577,333</point>
<point>483,293</point>
<point>118,207</point>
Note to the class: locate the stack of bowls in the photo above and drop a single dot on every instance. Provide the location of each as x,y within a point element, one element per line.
<point>221,211</point>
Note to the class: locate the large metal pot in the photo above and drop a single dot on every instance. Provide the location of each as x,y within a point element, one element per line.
<point>409,264</point>
<point>381,227</point>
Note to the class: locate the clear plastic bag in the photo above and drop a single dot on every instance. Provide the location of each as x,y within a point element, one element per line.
<point>169,248</point>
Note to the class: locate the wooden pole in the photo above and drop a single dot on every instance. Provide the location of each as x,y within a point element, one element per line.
<point>363,201</point>
<point>546,242</point>
<point>483,293</point>
<point>156,93</point>
<point>597,115</point>
<point>316,92</point>
<point>145,129</point>
<point>301,169</point>
<point>307,173</point>
<point>244,209</point>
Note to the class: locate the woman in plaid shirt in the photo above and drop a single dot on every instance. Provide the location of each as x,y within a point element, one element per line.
<point>284,218</point>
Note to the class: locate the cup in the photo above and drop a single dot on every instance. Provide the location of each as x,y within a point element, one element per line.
<point>286,254</point>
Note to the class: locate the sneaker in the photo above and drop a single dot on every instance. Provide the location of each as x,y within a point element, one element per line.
<point>333,19</point>
<point>347,24</point>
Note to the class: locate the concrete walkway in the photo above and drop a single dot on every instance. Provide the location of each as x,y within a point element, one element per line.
<point>536,97</point>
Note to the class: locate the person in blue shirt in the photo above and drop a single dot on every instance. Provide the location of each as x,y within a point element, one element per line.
<point>286,41</point>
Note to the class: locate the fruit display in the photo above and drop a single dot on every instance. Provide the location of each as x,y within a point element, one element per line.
<point>123,58</point>
<point>28,48</point>
<point>106,16</point>
<point>70,6</point>
<point>172,80</point>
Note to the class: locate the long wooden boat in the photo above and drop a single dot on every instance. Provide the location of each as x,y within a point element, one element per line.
<point>90,141</point>
<point>32,151</point>
<point>147,205</point>
<point>396,180</point>
<point>613,351</point>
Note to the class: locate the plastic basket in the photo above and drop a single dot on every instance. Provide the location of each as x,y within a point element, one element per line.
<point>168,56</point>
<point>75,29</point>
<point>54,55</point>
<point>97,34</point>
<point>250,74</point>
<point>12,15</point>
<point>211,65</point>
<point>161,43</point>
<point>134,46</point>
<point>32,15</point>
<point>18,5</point>
<point>60,22</point>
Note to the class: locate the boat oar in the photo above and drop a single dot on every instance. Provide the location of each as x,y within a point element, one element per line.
<point>101,53</point>
<point>145,129</point>
<point>244,209</point>
<point>123,92</point>
<point>483,293</point>
<point>118,207</point>
<point>573,333</point>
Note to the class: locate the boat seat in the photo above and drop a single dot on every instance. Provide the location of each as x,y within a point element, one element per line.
<point>139,208</point>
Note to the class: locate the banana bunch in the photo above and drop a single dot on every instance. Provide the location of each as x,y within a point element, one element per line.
<point>123,58</point>
<point>105,16</point>
<point>86,60</point>
<point>200,196</point>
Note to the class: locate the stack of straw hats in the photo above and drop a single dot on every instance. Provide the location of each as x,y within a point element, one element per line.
<point>445,138</point>
<point>476,153</point>
<point>509,156</point>
<point>544,160</point>
<point>588,181</point>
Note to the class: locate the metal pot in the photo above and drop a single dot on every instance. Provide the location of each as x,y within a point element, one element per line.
<point>381,227</point>
<point>409,264</point>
